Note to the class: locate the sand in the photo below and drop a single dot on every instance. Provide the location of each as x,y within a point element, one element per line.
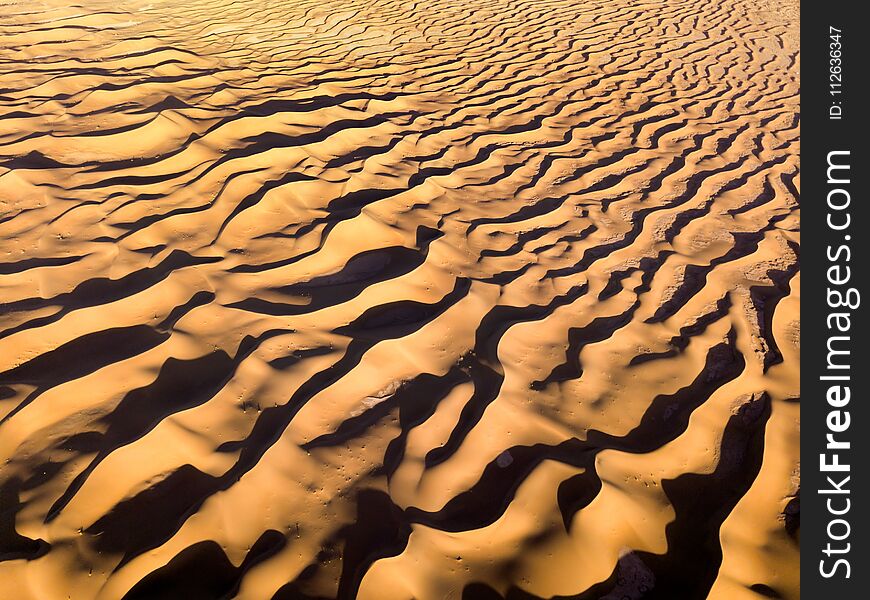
<point>399,300</point>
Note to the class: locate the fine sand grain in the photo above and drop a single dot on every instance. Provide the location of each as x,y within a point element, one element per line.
<point>396,300</point>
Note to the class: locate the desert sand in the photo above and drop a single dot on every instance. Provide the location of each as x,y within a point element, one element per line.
<point>399,300</point>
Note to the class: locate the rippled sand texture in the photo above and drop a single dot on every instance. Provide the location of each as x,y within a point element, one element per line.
<point>391,300</point>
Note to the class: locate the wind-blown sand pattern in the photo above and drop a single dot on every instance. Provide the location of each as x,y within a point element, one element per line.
<point>399,300</point>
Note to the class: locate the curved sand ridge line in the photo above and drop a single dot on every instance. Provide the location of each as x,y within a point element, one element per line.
<point>397,300</point>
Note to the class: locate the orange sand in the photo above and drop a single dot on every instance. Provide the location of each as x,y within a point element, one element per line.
<point>399,300</point>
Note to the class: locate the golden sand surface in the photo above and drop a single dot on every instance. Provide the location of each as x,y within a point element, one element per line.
<point>396,299</point>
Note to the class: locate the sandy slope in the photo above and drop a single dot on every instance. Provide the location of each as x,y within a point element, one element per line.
<point>393,300</point>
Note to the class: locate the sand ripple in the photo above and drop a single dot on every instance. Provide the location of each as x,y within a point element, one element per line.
<point>399,300</point>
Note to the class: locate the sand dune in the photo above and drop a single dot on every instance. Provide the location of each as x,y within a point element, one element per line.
<point>399,300</point>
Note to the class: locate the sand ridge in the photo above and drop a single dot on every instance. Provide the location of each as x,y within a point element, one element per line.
<point>399,300</point>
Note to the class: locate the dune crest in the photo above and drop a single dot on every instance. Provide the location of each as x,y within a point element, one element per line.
<point>399,300</point>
